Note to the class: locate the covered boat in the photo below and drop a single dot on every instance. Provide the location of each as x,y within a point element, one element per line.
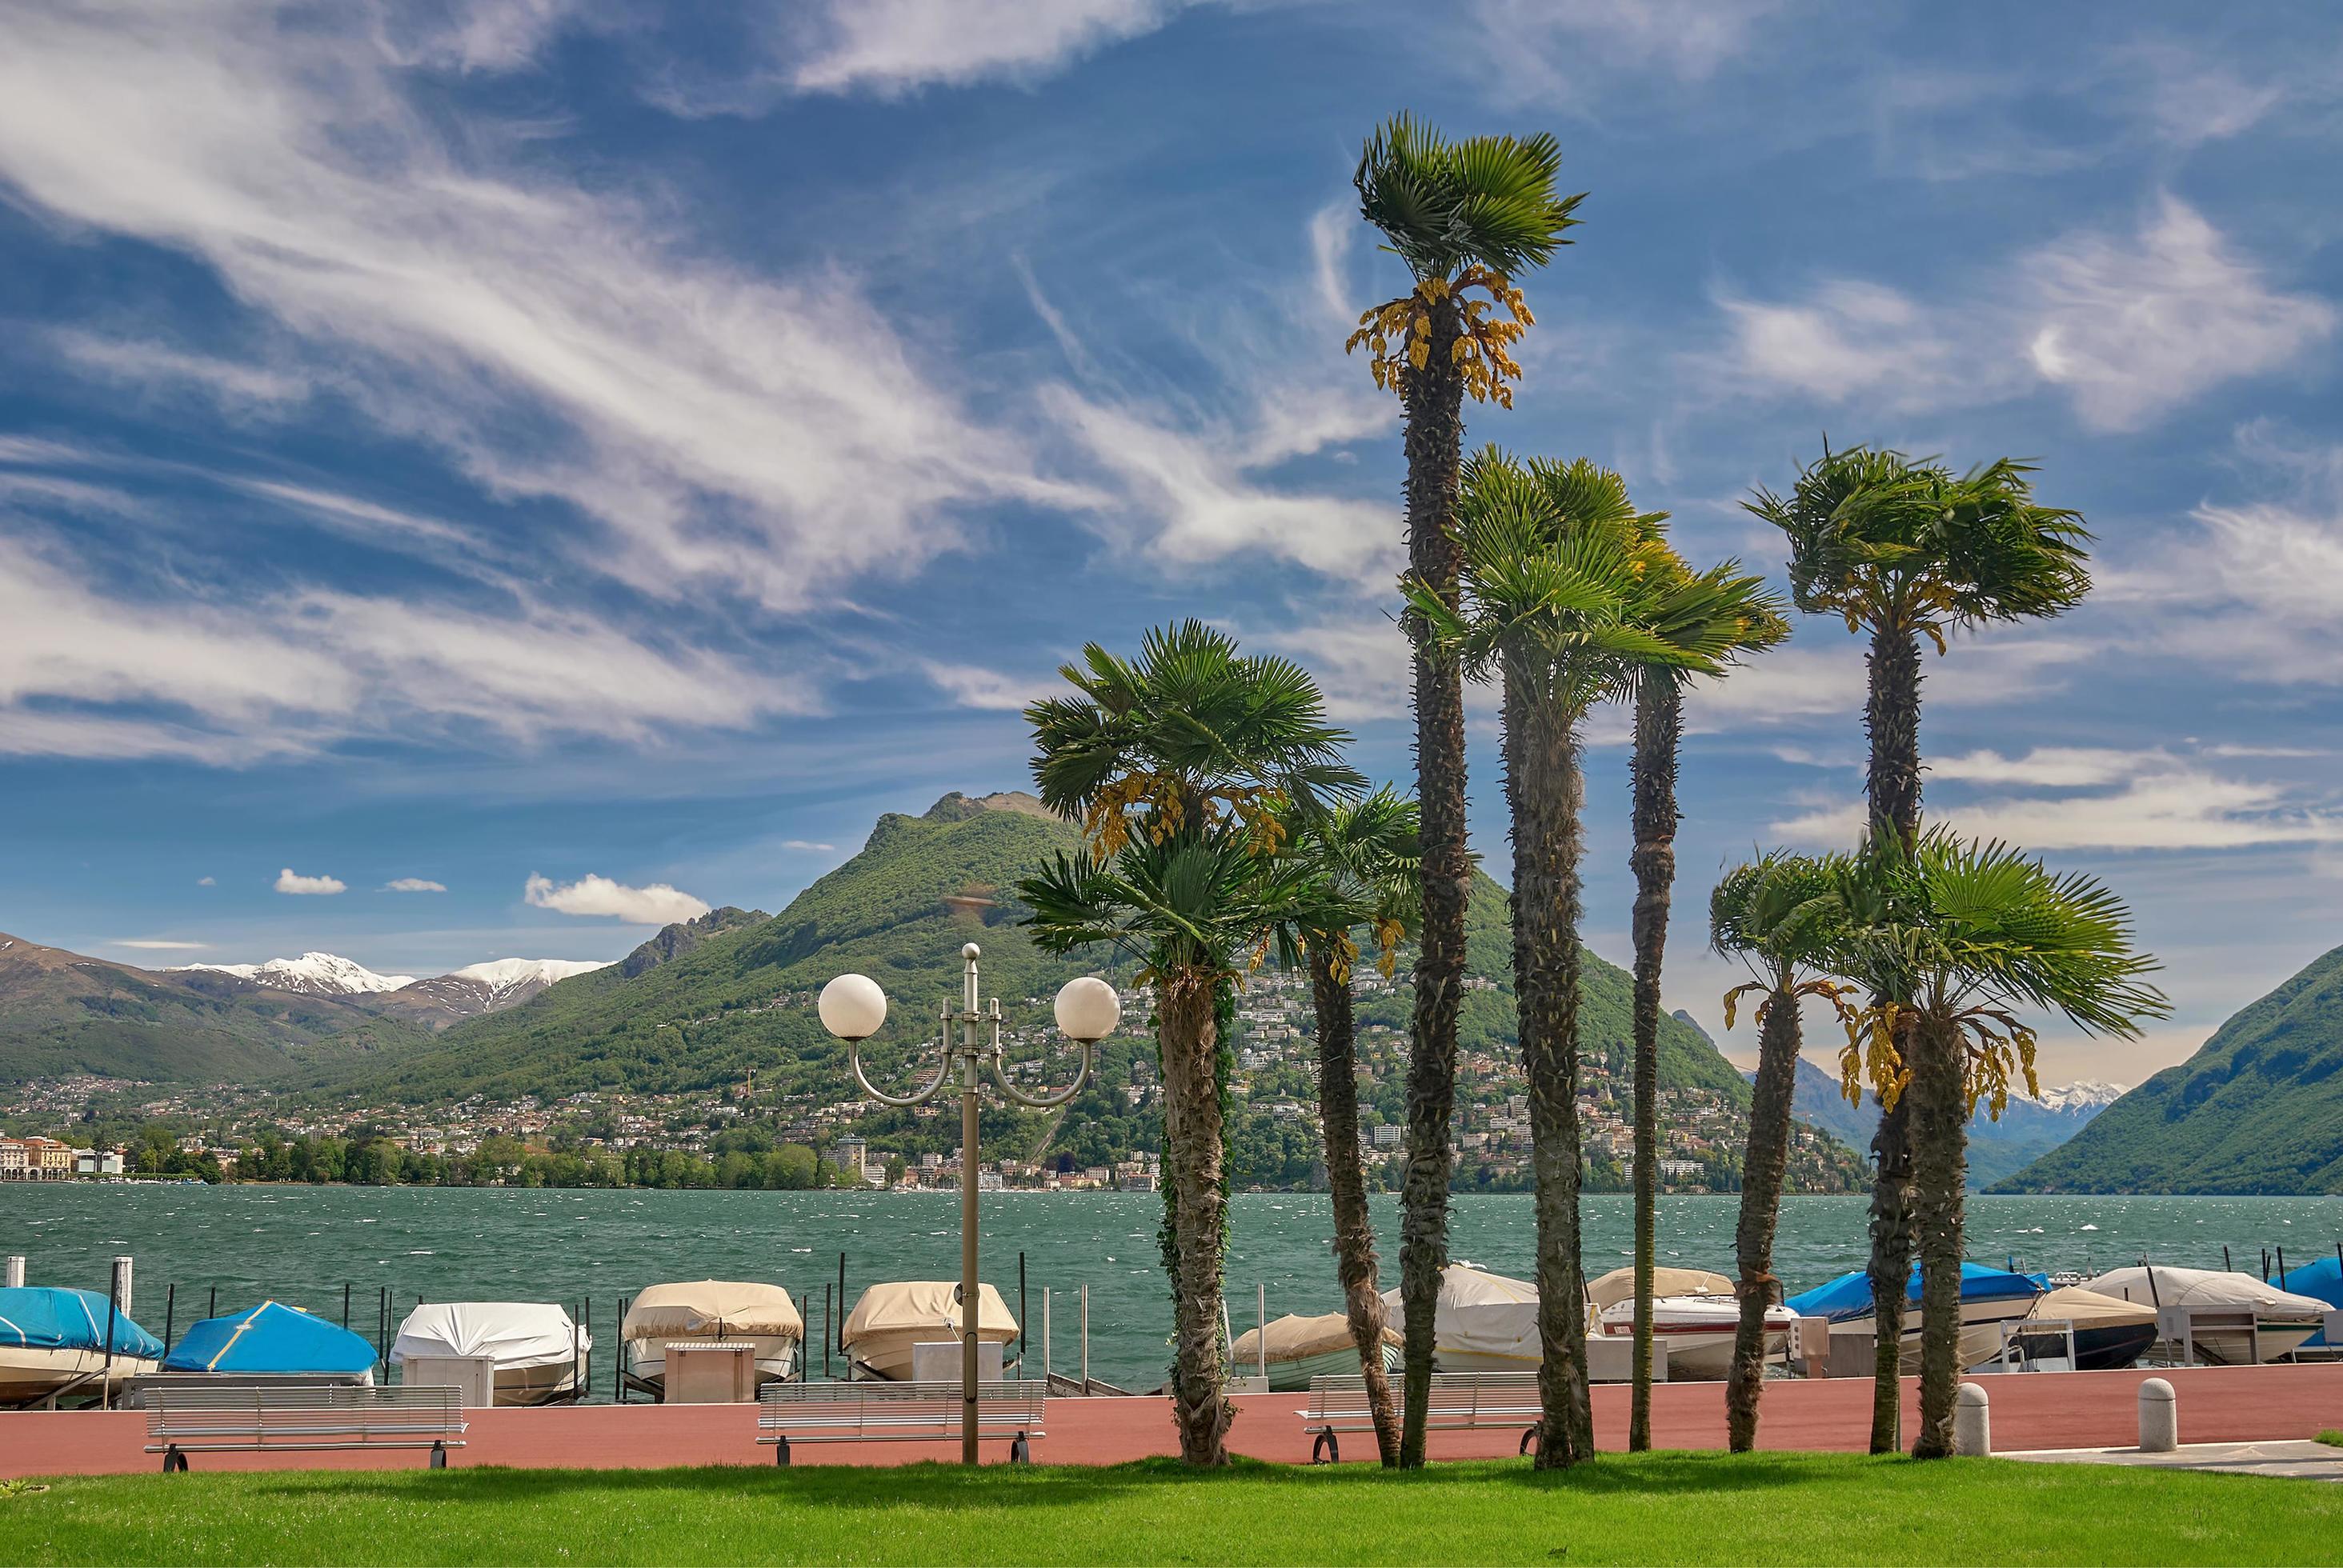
<point>1619,1285</point>
<point>54,1342</point>
<point>1989,1298</point>
<point>1698,1331</point>
<point>2111,1333</point>
<point>1482,1322</point>
<point>2283,1321</point>
<point>2324,1280</point>
<point>273,1340</point>
<point>713,1310</point>
<point>539,1351</point>
<point>890,1318</point>
<point>1300,1348</point>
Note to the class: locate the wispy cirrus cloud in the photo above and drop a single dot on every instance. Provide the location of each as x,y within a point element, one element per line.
<point>893,47</point>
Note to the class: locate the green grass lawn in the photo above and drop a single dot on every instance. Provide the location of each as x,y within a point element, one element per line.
<point>1670,1508</point>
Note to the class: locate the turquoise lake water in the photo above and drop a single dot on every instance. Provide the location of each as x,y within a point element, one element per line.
<point>304,1244</point>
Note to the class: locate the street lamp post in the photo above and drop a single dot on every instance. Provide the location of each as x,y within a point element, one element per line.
<point>853,1007</point>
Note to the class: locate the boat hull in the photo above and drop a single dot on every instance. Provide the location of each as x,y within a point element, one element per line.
<point>1981,1329</point>
<point>29,1376</point>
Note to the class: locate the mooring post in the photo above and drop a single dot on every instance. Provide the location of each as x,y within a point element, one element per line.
<point>825,1329</point>
<point>1086,1339</point>
<point>1022,1320</point>
<point>345,1303</point>
<point>2159,1417</point>
<point>122,1268</point>
<point>16,1272</point>
<point>1260,1314</point>
<point>1972,1421</point>
<point>170,1310</point>
<point>841,1309</point>
<point>1045,1333</point>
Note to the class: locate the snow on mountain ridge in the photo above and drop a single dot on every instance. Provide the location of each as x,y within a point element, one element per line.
<point>502,974</point>
<point>2083,1094</point>
<point>313,973</point>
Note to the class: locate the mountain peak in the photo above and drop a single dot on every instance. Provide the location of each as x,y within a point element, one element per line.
<point>956,806</point>
<point>311,974</point>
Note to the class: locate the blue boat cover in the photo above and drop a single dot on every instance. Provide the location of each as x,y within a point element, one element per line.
<point>1849,1295</point>
<point>43,1318</point>
<point>270,1338</point>
<point>2323,1279</point>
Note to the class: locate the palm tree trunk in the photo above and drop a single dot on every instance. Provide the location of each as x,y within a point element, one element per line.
<point>1192,1153</point>
<point>1545,792</point>
<point>1891,716</point>
<point>1346,1181</point>
<point>1762,1171</point>
<point>1659,728</point>
<point>1433,399</point>
<point>1940,1138</point>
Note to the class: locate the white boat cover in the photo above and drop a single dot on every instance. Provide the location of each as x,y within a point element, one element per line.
<point>1619,1285</point>
<point>2203,1288</point>
<point>512,1334</point>
<point>1704,1313</point>
<point>1292,1338</point>
<point>2088,1309</point>
<point>1479,1314</point>
<point>928,1306</point>
<point>713,1310</point>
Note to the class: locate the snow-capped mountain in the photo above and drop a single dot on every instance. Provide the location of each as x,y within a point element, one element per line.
<point>2082,1099</point>
<point>312,974</point>
<point>475,988</point>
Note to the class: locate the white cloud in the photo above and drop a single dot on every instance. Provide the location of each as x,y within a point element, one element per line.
<point>973,686</point>
<point>807,844</point>
<point>414,885</point>
<point>727,430</point>
<point>1566,49</point>
<point>144,945</point>
<point>655,905</point>
<point>208,881</point>
<point>149,364</point>
<point>889,47</point>
<point>2130,325</point>
<point>2137,325</point>
<point>288,881</point>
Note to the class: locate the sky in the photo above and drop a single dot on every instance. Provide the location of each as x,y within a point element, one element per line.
<point>488,478</point>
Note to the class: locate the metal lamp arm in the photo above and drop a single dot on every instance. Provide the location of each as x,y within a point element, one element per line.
<point>1043,1101</point>
<point>918,1096</point>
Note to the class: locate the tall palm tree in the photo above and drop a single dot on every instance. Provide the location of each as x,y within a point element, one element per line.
<point>1908,549</point>
<point>1184,767</point>
<point>1964,934</point>
<point>1465,217</point>
<point>1782,916</point>
<point>1560,595</point>
<point>1359,862</point>
<point>1742,615</point>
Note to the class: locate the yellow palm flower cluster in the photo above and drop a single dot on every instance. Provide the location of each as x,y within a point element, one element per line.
<point>1159,804</point>
<point>2000,1051</point>
<point>1398,333</point>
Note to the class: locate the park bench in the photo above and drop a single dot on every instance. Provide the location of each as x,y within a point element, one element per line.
<point>250,1417</point>
<point>897,1412</point>
<point>1460,1401</point>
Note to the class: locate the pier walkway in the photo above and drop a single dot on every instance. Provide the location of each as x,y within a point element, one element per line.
<point>2031,1411</point>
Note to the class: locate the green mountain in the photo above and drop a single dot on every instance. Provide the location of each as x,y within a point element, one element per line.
<point>62,1013</point>
<point>2257,1109</point>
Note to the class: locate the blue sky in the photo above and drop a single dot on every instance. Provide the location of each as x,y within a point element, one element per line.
<point>473,443</point>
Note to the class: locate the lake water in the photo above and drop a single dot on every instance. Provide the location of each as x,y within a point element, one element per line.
<point>304,1244</point>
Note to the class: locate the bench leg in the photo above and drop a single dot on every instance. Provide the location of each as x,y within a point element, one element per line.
<point>438,1456</point>
<point>1327,1450</point>
<point>1529,1440</point>
<point>1019,1451</point>
<point>781,1452</point>
<point>173,1460</point>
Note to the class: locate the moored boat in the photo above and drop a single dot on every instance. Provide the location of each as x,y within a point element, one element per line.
<point>1989,1299</point>
<point>1298,1348</point>
<point>273,1340</point>
<point>2111,1333</point>
<point>1481,1322</point>
<point>735,1310</point>
<point>1698,1331</point>
<point>538,1351</point>
<point>2282,1321</point>
<point>891,1319</point>
<point>54,1343</point>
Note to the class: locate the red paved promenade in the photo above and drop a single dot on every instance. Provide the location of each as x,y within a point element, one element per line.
<point>2046,1410</point>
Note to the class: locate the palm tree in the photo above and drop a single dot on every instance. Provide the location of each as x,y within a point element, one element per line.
<point>1908,550</point>
<point>1780,914</point>
<point>1185,768</point>
<point>1465,217</point>
<point>1742,615</point>
<point>1359,860</point>
<point>1560,593</point>
<point>1964,934</point>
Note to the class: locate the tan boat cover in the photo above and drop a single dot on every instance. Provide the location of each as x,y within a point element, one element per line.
<point>1292,1339</point>
<point>713,1310</point>
<point>1619,1285</point>
<point>2090,1310</point>
<point>926,1305</point>
<point>2205,1288</point>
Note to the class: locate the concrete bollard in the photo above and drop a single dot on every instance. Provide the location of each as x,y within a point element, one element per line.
<point>16,1272</point>
<point>2159,1417</point>
<point>1972,1422</point>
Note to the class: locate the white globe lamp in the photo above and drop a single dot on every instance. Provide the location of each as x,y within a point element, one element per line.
<point>1087,1010</point>
<point>852,1007</point>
